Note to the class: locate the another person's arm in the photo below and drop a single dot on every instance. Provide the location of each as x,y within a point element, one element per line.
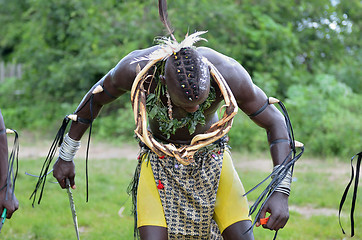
<point>8,200</point>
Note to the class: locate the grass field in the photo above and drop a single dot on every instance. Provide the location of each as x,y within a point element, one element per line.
<point>316,191</point>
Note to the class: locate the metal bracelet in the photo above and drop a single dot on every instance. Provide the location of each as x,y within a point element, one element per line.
<point>68,149</point>
<point>284,186</point>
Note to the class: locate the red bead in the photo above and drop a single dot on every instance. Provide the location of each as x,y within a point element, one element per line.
<point>160,185</point>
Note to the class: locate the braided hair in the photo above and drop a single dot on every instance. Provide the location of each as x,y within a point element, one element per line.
<point>187,77</point>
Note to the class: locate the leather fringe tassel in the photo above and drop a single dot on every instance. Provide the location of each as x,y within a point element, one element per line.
<point>45,168</point>
<point>354,196</point>
<point>88,145</point>
<point>13,160</point>
<point>53,150</point>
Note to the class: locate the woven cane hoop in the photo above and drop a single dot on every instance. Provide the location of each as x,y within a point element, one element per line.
<point>185,153</point>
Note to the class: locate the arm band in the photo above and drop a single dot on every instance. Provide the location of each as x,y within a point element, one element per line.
<point>108,93</point>
<point>260,110</point>
<point>278,141</point>
<point>84,120</point>
<point>68,149</point>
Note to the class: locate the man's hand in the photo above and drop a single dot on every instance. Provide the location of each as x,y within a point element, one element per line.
<point>63,170</point>
<point>277,206</point>
<point>12,204</point>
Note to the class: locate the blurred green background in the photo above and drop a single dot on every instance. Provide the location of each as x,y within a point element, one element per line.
<point>307,53</point>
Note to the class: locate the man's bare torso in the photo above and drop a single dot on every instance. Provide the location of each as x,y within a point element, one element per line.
<point>125,72</point>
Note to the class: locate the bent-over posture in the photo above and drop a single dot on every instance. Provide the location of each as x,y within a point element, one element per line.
<point>210,178</point>
<point>186,186</point>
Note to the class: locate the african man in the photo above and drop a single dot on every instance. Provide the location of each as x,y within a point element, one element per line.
<point>186,186</point>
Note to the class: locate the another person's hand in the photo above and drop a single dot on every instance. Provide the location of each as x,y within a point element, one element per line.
<point>11,204</point>
<point>277,206</point>
<point>63,170</point>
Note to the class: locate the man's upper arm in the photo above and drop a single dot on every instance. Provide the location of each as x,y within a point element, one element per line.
<point>121,77</point>
<point>247,95</point>
<point>250,97</point>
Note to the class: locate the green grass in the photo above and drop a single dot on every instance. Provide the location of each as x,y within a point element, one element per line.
<point>99,218</point>
<point>52,219</point>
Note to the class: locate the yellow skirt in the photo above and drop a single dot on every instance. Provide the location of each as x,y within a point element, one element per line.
<point>230,206</point>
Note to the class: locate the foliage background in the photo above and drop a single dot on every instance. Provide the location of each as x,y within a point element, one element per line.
<point>306,53</point>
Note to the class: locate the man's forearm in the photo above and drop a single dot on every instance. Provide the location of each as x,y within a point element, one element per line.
<point>279,142</point>
<point>280,151</point>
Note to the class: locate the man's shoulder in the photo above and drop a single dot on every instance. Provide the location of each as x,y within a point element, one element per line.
<point>216,58</point>
<point>128,63</point>
<point>124,73</point>
<point>208,52</point>
<point>232,71</point>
